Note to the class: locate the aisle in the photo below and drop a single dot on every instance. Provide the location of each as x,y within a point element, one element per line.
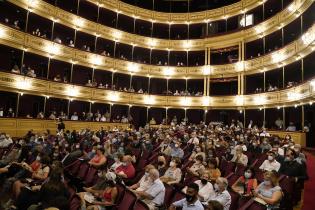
<point>309,186</point>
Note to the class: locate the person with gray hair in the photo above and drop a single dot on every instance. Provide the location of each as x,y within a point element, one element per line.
<point>221,194</point>
<point>154,195</point>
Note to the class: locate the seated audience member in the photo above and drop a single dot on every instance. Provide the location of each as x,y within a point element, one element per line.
<point>197,151</point>
<point>10,157</point>
<point>245,184</point>
<point>214,205</point>
<point>213,170</point>
<point>126,169</point>
<point>161,165</point>
<point>99,159</point>
<point>291,127</point>
<point>197,168</point>
<point>271,164</point>
<point>205,188</point>
<point>145,182</point>
<point>193,140</point>
<point>191,201</point>
<point>269,192</point>
<point>221,194</point>
<point>254,147</point>
<point>173,174</point>
<point>74,116</point>
<point>300,157</point>
<point>57,78</point>
<point>38,170</point>
<point>265,145</point>
<point>152,121</point>
<point>291,167</point>
<point>15,69</point>
<point>176,151</point>
<point>5,140</point>
<point>117,163</point>
<point>154,195</point>
<point>45,194</point>
<point>239,157</point>
<point>108,194</point>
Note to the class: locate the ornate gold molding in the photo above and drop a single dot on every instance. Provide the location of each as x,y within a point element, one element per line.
<point>300,94</point>
<point>280,20</point>
<point>284,56</point>
<point>179,18</point>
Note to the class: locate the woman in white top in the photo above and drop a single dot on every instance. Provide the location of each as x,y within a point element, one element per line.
<point>173,174</point>
<point>145,182</point>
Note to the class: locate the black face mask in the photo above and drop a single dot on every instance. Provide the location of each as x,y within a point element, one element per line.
<point>160,163</point>
<point>204,181</point>
<point>189,198</point>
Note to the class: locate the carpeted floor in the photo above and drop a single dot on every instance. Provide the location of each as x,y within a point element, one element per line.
<point>309,186</point>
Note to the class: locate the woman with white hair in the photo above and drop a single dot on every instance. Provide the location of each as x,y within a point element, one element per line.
<point>221,194</point>
<point>107,196</point>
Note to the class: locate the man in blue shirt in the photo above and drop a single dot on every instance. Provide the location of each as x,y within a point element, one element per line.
<point>191,201</point>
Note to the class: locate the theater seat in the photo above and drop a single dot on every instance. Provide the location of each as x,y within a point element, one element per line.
<point>90,177</point>
<point>127,201</point>
<point>140,205</point>
<point>84,167</point>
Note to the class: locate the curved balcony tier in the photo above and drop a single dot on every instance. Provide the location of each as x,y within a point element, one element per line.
<point>265,28</point>
<point>286,55</point>
<point>298,95</point>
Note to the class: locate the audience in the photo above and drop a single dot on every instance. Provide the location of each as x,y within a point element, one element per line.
<point>26,170</point>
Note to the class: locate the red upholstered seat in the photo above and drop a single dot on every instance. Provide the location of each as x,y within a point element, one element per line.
<point>140,205</point>
<point>84,167</point>
<point>128,201</point>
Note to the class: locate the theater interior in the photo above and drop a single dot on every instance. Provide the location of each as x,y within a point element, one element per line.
<point>157,104</point>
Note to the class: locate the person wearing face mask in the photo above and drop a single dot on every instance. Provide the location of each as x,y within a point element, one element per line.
<point>126,170</point>
<point>154,195</point>
<point>291,167</point>
<point>161,165</point>
<point>221,194</point>
<point>205,187</point>
<point>197,151</point>
<point>173,174</point>
<point>269,192</point>
<point>176,151</point>
<point>191,201</point>
<point>300,157</point>
<point>271,164</point>
<point>245,184</point>
<point>145,182</point>
<point>239,157</point>
<point>197,168</point>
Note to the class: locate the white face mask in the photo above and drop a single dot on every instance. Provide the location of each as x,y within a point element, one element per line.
<point>270,157</point>
<point>38,158</point>
<point>216,187</point>
<point>172,164</point>
<point>247,175</point>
